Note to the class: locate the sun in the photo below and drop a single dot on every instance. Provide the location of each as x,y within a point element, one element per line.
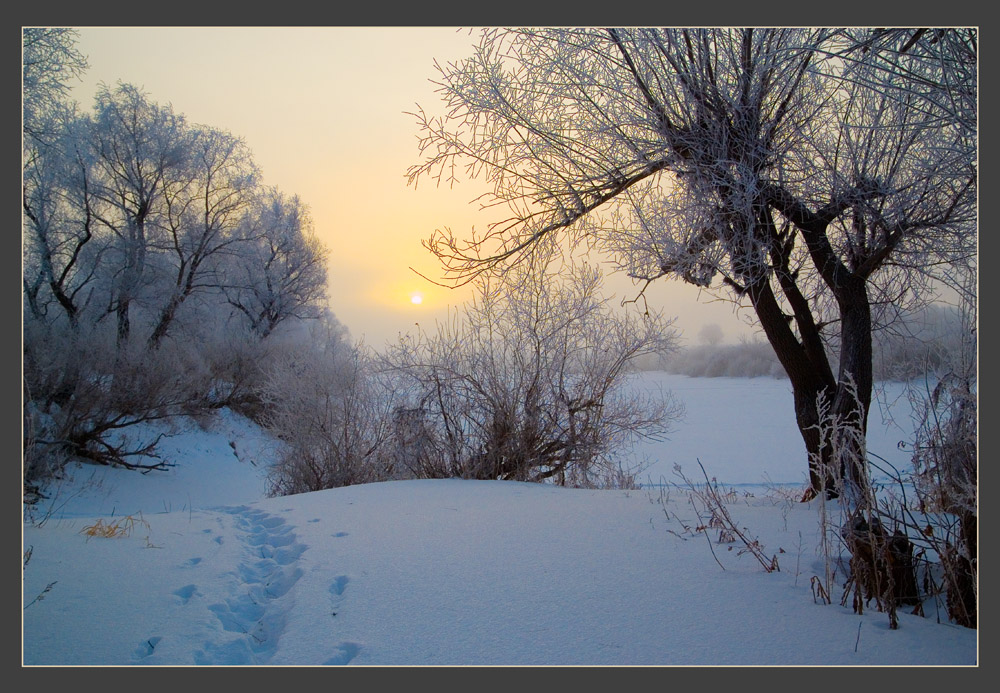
<point>416,299</point>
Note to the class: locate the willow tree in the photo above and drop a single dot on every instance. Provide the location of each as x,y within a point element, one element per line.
<point>808,173</point>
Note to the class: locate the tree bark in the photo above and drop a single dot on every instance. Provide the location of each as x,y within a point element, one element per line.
<point>808,385</point>
<point>854,380</point>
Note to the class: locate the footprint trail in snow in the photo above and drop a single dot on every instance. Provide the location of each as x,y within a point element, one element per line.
<point>258,609</point>
<point>251,620</point>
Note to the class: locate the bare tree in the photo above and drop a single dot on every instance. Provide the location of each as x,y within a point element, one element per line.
<point>526,382</point>
<point>60,243</point>
<point>281,272</point>
<point>142,155</point>
<point>772,166</point>
<point>49,61</point>
<point>55,235</point>
<point>203,220</point>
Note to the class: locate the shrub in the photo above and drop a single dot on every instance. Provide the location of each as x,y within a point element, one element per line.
<point>525,382</point>
<point>323,400</point>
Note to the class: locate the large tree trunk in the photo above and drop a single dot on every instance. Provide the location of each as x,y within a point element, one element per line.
<point>854,384</point>
<point>833,462</point>
<point>163,324</point>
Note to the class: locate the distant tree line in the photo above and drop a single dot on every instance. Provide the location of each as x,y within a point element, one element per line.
<point>921,343</point>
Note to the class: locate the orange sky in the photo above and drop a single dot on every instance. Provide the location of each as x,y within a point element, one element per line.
<point>324,111</point>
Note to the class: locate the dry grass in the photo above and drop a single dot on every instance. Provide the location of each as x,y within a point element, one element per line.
<point>122,527</point>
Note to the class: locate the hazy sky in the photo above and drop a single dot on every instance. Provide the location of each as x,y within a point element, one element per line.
<point>324,112</point>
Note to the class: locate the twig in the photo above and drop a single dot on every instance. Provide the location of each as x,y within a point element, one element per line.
<point>712,549</point>
<point>41,595</point>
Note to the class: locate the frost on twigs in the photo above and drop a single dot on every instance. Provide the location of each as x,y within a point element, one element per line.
<point>714,514</point>
<point>526,382</point>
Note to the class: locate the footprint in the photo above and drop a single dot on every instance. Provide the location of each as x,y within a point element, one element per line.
<point>346,651</point>
<point>257,610</point>
<point>340,534</point>
<point>238,617</point>
<point>281,583</point>
<point>235,652</point>
<point>339,584</point>
<point>186,592</point>
<point>288,555</point>
<point>146,647</point>
<point>192,562</point>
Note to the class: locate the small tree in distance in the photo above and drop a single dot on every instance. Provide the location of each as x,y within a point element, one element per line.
<point>710,334</point>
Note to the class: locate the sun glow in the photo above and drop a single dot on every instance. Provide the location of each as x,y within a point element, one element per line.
<point>416,299</point>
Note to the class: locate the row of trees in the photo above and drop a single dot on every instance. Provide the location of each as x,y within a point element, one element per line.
<point>928,341</point>
<point>152,254</point>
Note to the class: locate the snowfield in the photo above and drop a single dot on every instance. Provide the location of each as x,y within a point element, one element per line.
<point>455,572</point>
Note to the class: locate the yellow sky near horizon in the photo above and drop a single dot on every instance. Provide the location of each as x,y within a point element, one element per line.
<point>324,110</point>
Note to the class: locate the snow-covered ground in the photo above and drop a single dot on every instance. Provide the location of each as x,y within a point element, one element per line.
<point>743,429</point>
<point>452,572</point>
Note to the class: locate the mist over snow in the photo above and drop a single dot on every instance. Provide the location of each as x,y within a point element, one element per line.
<point>743,429</point>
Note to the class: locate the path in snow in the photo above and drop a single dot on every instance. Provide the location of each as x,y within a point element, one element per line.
<point>251,620</point>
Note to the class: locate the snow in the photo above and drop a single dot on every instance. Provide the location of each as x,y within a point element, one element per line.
<point>454,572</point>
<point>743,429</point>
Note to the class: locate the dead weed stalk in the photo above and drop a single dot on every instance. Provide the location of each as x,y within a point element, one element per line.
<point>714,500</point>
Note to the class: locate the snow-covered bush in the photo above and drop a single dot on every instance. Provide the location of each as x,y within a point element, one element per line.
<point>323,399</point>
<point>82,395</point>
<point>525,382</point>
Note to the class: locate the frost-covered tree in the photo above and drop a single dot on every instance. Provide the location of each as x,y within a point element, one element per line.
<point>281,275</point>
<point>49,62</point>
<point>137,229</point>
<point>203,220</point>
<point>820,176</point>
<point>60,239</point>
<point>142,153</point>
<point>57,232</point>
